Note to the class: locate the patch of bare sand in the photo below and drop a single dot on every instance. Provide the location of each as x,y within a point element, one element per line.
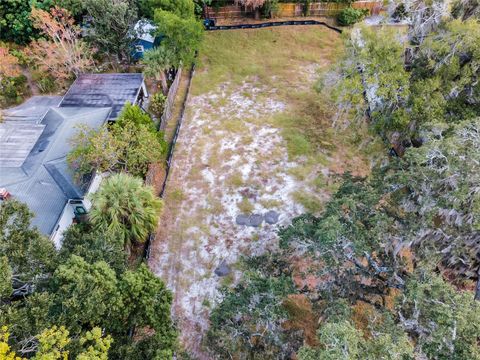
<point>227,161</point>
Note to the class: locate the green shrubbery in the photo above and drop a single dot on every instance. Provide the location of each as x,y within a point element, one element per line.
<point>45,82</point>
<point>130,145</point>
<point>13,90</point>
<point>47,295</point>
<point>350,16</point>
<point>157,104</point>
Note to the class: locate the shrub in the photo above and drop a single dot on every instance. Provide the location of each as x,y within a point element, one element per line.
<point>45,82</point>
<point>134,114</point>
<point>350,16</point>
<point>13,90</point>
<point>157,104</point>
<point>400,12</point>
<point>270,8</point>
<point>21,57</point>
<point>130,148</point>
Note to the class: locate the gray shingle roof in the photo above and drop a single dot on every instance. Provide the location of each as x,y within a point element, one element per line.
<point>32,109</point>
<point>44,182</point>
<point>104,90</point>
<point>16,142</point>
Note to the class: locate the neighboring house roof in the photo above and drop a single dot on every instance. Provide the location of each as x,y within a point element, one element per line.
<point>33,109</point>
<point>42,178</point>
<point>145,30</point>
<point>104,90</point>
<point>16,142</point>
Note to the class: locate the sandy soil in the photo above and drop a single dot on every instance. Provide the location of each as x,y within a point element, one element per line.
<point>228,161</point>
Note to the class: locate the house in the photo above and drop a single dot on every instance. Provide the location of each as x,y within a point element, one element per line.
<point>34,148</point>
<point>145,38</point>
<point>106,90</point>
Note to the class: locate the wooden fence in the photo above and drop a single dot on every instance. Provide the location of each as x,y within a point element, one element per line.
<point>289,10</point>
<point>172,92</point>
<point>293,10</point>
<point>225,12</point>
<point>156,171</point>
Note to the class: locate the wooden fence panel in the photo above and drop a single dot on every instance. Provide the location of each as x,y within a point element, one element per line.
<point>172,92</point>
<point>225,12</point>
<point>325,9</point>
<point>286,10</point>
<point>373,6</point>
<point>289,10</point>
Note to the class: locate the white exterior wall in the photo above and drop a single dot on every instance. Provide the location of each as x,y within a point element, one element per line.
<point>63,223</point>
<point>66,219</point>
<point>94,186</point>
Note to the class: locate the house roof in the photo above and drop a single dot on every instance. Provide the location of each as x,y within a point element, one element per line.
<point>145,30</point>
<point>104,90</point>
<point>43,179</point>
<point>16,142</point>
<point>33,109</point>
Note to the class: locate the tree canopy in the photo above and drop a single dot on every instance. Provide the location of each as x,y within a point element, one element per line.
<point>54,305</point>
<point>112,27</point>
<point>182,36</point>
<point>125,208</point>
<point>389,269</point>
<point>62,54</point>
<point>157,62</point>
<point>439,84</point>
<point>15,23</point>
<point>182,8</point>
<point>130,145</point>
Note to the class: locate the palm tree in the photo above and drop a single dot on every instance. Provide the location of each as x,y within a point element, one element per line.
<point>157,61</point>
<point>125,208</point>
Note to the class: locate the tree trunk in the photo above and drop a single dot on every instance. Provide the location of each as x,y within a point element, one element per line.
<point>257,13</point>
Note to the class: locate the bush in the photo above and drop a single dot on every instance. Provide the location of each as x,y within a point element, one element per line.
<point>270,8</point>
<point>157,104</point>
<point>400,13</point>
<point>350,16</point>
<point>45,82</point>
<point>13,90</point>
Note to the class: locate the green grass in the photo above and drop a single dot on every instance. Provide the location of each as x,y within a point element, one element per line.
<point>273,58</point>
<point>245,206</point>
<point>235,180</point>
<point>206,303</point>
<point>301,172</point>
<point>270,203</point>
<point>297,143</point>
<point>234,126</point>
<point>228,280</point>
<point>309,201</point>
<point>234,55</point>
<point>177,195</point>
<point>215,206</point>
<point>280,59</point>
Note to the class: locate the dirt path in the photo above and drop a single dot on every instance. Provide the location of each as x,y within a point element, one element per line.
<point>246,147</point>
<point>31,84</point>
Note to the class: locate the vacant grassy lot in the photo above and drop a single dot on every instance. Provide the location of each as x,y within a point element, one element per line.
<point>256,137</point>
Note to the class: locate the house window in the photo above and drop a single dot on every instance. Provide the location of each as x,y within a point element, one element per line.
<point>139,48</point>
